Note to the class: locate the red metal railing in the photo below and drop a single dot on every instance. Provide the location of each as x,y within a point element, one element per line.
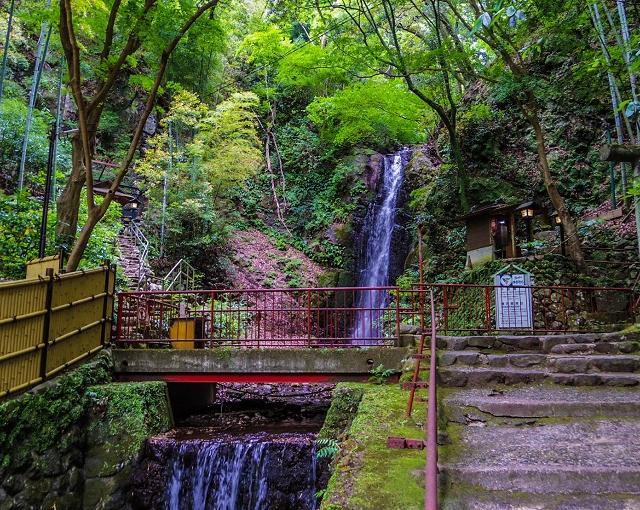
<point>307,317</point>
<point>335,317</point>
<point>471,309</point>
<point>431,468</point>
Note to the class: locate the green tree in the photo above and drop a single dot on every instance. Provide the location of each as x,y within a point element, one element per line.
<point>104,43</point>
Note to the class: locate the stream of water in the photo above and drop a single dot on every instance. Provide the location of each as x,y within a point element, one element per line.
<point>257,471</point>
<point>378,232</point>
<point>256,454</point>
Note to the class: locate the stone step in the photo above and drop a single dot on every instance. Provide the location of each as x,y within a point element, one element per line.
<point>481,376</point>
<point>564,363</point>
<point>624,347</point>
<point>591,457</point>
<point>596,379</point>
<point>596,342</point>
<point>506,500</point>
<point>478,377</point>
<point>594,363</point>
<point>541,401</point>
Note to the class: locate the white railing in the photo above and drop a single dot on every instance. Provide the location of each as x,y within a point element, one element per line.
<point>181,277</point>
<point>142,244</point>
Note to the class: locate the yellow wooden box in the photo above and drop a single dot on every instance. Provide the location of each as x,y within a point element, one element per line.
<point>183,329</point>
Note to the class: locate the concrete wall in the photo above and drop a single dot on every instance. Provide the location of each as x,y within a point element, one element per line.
<point>257,361</point>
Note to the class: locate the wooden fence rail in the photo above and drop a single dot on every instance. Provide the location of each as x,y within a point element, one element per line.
<point>47,324</point>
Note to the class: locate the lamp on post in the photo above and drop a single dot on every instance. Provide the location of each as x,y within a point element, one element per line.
<point>527,214</point>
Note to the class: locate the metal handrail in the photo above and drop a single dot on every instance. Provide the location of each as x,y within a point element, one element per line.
<point>142,243</point>
<point>185,275</point>
<point>431,468</point>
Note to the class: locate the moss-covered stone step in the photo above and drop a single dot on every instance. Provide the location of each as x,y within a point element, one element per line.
<point>554,363</point>
<point>484,405</point>
<point>595,342</point>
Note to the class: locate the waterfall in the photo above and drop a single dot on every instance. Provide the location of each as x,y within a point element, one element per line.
<point>378,230</point>
<point>249,472</point>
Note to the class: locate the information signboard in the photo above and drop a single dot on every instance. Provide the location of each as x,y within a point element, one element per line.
<point>514,300</point>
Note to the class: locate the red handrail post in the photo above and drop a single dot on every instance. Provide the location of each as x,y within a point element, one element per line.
<point>431,469</point>
<point>487,309</point>
<point>398,314</point>
<point>119,325</point>
<point>309,318</point>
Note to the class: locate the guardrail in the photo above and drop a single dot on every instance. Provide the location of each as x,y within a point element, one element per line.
<point>471,309</point>
<point>352,316</point>
<point>312,317</point>
<point>431,468</point>
<point>47,324</point>
<point>181,277</point>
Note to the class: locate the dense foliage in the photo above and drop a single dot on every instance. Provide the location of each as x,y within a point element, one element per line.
<point>268,111</point>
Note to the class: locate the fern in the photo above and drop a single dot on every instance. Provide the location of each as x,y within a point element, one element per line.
<point>328,448</point>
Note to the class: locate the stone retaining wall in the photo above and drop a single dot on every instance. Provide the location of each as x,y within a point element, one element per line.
<point>73,443</point>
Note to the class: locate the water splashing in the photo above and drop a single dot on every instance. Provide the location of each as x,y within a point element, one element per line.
<point>378,230</point>
<point>249,473</point>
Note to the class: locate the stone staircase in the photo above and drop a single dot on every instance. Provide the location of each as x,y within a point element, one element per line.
<point>610,359</point>
<point>133,259</point>
<point>540,422</point>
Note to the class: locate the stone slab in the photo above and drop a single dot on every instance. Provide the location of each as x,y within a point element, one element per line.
<point>540,401</point>
<point>279,361</point>
<point>586,457</point>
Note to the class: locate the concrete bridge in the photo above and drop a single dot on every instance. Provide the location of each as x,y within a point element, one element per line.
<point>225,364</point>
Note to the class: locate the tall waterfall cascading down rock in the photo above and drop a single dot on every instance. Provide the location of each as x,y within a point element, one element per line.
<point>378,227</point>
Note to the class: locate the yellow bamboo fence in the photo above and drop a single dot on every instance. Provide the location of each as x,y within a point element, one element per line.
<point>49,323</point>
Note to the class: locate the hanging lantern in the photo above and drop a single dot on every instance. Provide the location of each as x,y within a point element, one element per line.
<point>527,212</point>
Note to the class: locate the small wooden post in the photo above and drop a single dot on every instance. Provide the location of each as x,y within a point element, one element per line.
<point>46,324</point>
<point>105,302</point>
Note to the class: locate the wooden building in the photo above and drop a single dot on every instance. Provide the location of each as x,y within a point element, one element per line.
<point>494,231</point>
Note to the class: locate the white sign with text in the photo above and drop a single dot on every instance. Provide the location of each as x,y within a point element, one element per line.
<point>514,301</point>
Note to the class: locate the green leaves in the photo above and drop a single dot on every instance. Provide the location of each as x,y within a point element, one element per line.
<point>375,113</point>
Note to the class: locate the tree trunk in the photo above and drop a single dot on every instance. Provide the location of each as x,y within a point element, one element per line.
<point>7,41</point>
<point>572,240</point>
<point>68,205</point>
<point>83,239</point>
<point>617,153</point>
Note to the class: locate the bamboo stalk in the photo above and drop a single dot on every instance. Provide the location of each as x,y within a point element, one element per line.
<point>41,56</point>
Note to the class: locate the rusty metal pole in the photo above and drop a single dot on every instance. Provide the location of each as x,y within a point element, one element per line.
<point>46,322</point>
<point>420,259</point>
<point>431,470</point>
<point>119,317</point>
<point>398,314</point>
<point>309,318</point>
<point>487,309</point>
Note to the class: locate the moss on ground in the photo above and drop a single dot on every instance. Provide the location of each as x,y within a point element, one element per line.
<point>35,422</point>
<point>367,474</point>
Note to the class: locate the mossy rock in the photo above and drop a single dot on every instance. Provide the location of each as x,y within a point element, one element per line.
<point>367,474</point>
<point>123,417</point>
<point>49,417</point>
